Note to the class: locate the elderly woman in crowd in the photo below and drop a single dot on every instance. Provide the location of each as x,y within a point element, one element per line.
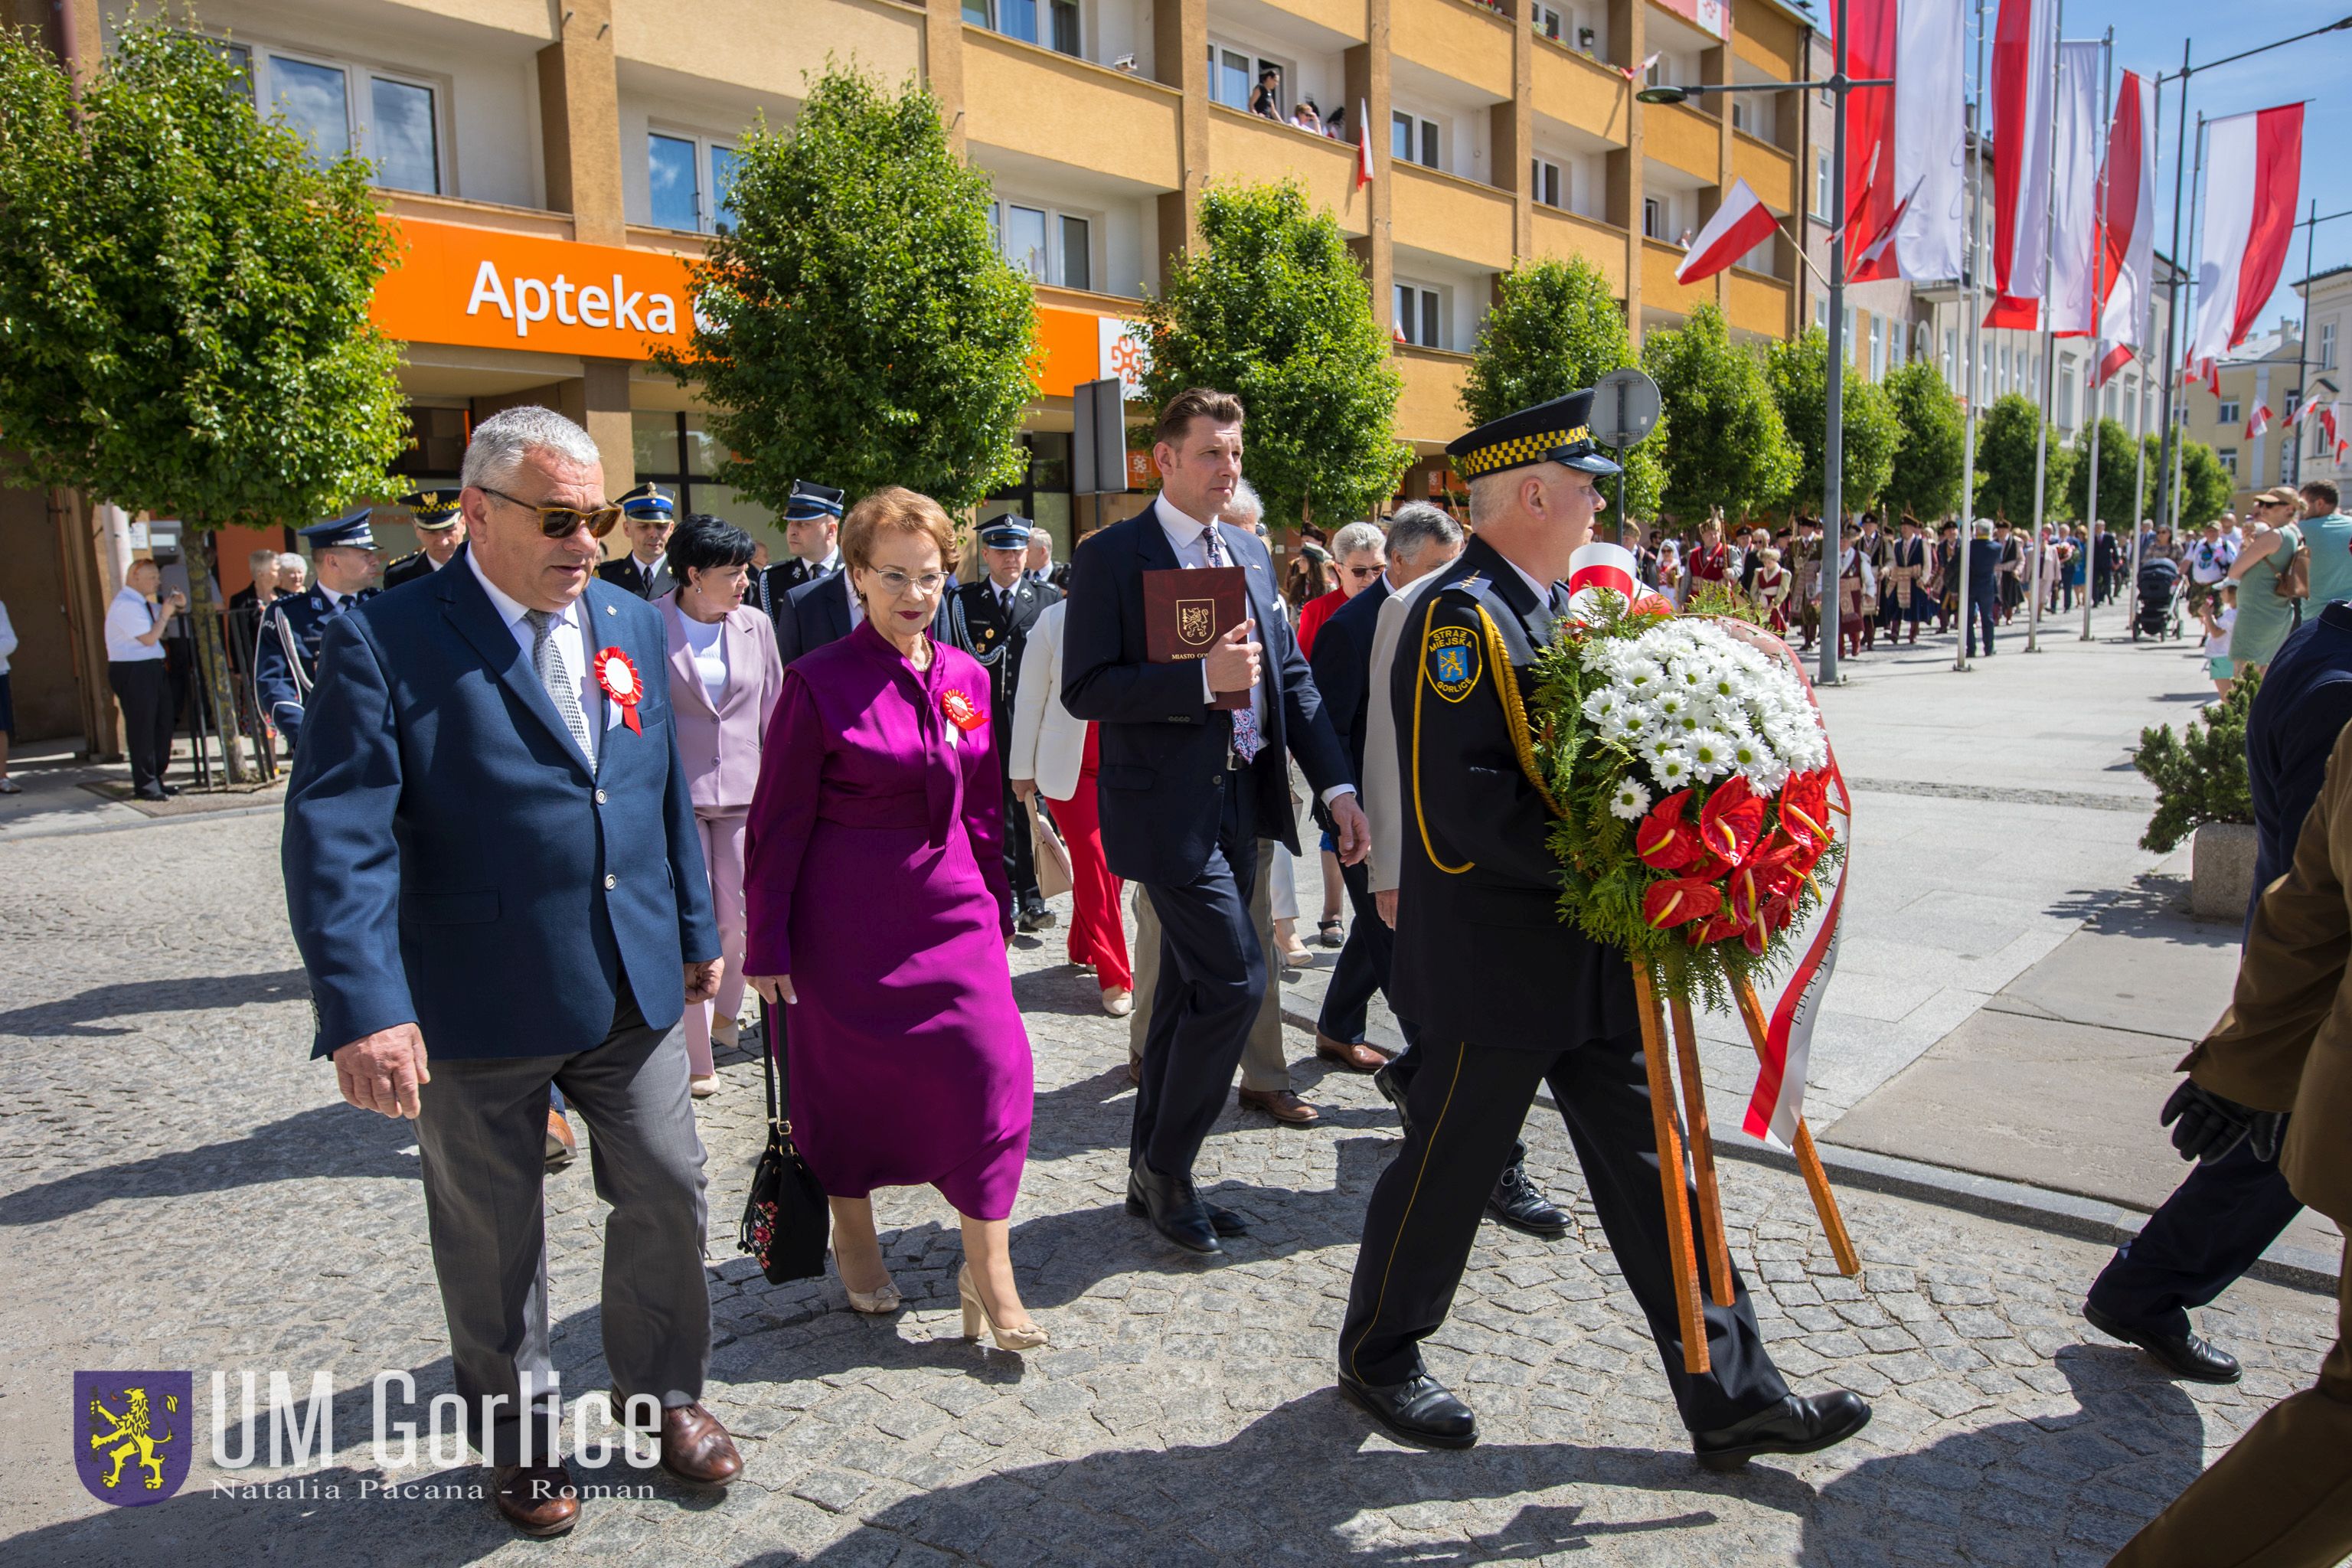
<point>879,912</point>
<point>1359,553</point>
<point>724,677</point>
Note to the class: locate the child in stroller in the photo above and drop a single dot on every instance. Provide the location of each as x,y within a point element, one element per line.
<point>2159,615</point>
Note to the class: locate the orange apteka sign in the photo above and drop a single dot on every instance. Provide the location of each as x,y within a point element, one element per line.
<point>486,288</point>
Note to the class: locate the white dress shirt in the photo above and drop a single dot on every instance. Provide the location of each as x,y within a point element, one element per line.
<point>568,630</point>
<point>1185,538</point>
<point>130,618</point>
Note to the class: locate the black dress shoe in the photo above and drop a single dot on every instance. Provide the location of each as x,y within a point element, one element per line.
<point>2182,1355</point>
<point>1516,1203</point>
<point>1225,1221</point>
<point>1418,1410</point>
<point>1385,1080</point>
<point>1035,917</point>
<point>1175,1211</point>
<point>1799,1424</point>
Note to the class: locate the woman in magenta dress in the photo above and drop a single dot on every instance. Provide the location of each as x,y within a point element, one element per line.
<point>878,913</point>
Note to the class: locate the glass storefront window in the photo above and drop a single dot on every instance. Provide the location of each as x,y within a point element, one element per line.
<point>315,101</point>
<point>652,445</point>
<point>704,454</point>
<point>676,193</point>
<point>402,139</point>
<point>727,502</point>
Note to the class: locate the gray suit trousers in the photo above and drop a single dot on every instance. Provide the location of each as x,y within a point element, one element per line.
<point>481,1130</point>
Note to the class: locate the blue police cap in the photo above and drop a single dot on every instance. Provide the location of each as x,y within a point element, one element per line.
<point>649,501</point>
<point>349,532</point>
<point>1555,432</point>
<point>1006,533</point>
<point>807,502</point>
<point>432,509</point>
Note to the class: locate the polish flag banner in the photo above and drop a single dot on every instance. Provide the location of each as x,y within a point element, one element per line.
<point>2075,200</point>
<point>2253,168</point>
<point>1363,145</point>
<point>1741,224</point>
<point>2118,356</point>
<point>2128,225</point>
<point>2258,421</point>
<point>2023,38</point>
<point>1871,195</point>
<point>1635,73</point>
<point>1907,216</point>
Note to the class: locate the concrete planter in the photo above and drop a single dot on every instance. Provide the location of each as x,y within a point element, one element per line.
<point>2222,874</point>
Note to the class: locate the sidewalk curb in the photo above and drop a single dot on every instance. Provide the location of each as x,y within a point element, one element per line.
<point>68,829</point>
<point>2066,1214</point>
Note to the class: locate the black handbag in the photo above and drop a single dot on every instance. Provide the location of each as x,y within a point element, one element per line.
<point>786,1221</point>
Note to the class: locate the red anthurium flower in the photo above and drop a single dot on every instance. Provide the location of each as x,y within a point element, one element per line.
<point>1665,840</point>
<point>1679,900</point>
<point>1804,803</point>
<point>1731,819</point>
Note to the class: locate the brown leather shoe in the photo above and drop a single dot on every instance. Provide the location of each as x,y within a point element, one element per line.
<point>696,1448</point>
<point>561,1145</point>
<point>1283,1105</point>
<point>1356,1059</point>
<point>536,1499</point>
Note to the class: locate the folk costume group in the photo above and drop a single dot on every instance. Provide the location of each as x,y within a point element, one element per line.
<point>492,857</point>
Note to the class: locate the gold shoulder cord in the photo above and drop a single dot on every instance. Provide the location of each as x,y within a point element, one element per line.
<point>1515,713</point>
<point>1420,683</point>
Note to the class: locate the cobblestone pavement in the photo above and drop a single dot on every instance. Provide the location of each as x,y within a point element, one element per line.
<point>179,1189</point>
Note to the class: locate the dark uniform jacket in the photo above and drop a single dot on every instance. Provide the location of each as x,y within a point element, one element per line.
<point>980,626</point>
<point>624,572</point>
<point>792,572</point>
<point>286,652</point>
<point>1482,955</point>
<point>410,568</point>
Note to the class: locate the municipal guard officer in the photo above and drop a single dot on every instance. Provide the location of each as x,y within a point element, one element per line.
<point>440,530</point>
<point>812,532</point>
<point>991,620</point>
<point>647,514</point>
<point>1508,998</point>
<point>344,565</point>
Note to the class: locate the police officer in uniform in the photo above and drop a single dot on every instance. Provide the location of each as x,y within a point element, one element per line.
<point>991,620</point>
<point>440,530</point>
<point>647,514</point>
<point>344,564</point>
<point>812,532</point>
<point>1509,998</point>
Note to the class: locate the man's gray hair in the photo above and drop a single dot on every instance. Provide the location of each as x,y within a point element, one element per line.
<point>503,441</point>
<point>289,558</point>
<point>1416,526</point>
<point>1244,510</point>
<point>1359,536</point>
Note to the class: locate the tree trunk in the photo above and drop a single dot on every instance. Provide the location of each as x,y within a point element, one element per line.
<point>206,616</point>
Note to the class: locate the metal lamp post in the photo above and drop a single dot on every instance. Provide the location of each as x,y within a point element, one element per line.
<point>1833,395</point>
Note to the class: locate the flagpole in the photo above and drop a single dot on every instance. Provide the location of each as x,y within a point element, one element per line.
<point>1974,264</point>
<point>2166,484</point>
<point>2099,273</point>
<point>2178,437</point>
<point>1833,373</point>
<point>2049,358</point>
<point>2139,424</point>
<point>2303,343</point>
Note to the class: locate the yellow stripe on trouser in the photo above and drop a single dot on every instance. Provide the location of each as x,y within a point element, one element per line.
<point>1428,1152</point>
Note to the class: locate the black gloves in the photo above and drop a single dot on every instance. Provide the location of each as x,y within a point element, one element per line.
<point>2210,1125</point>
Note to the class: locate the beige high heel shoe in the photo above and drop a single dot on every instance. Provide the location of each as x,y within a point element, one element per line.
<point>874,1303</point>
<point>975,1313</point>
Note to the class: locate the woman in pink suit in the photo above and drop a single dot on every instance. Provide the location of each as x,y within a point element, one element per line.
<point>879,913</point>
<point>724,677</point>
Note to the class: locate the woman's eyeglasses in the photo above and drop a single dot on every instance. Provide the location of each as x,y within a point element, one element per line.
<point>561,522</point>
<point>895,584</point>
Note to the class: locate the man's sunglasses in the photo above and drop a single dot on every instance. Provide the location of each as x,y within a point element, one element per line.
<point>1363,573</point>
<point>561,521</point>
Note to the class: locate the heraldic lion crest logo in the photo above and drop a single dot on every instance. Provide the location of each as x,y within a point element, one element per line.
<point>131,1434</point>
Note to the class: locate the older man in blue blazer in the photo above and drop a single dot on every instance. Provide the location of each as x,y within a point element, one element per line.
<point>1186,790</point>
<point>495,880</point>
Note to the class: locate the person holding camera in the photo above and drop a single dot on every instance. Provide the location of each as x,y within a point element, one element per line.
<point>135,623</point>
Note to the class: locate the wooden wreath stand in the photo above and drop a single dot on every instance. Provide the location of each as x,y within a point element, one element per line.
<point>1686,1249</point>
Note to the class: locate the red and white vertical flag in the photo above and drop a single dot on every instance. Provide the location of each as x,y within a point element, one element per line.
<point>1741,224</point>
<point>2074,198</point>
<point>2253,168</point>
<point>2128,222</point>
<point>1905,144</point>
<point>1363,145</point>
<point>2258,421</point>
<point>2023,38</point>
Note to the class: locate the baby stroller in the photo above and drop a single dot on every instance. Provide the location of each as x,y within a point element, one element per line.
<point>2159,615</point>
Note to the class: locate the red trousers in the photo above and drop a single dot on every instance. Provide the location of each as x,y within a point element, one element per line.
<point>1097,937</point>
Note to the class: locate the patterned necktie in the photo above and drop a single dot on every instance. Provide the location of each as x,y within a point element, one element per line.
<point>1247,741</point>
<point>547,659</point>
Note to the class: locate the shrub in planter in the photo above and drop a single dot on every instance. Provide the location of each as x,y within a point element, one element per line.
<point>2201,774</point>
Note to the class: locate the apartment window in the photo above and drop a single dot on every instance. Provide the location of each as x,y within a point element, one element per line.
<point>1952,357</point>
<point>1414,138</point>
<point>1050,246</point>
<point>2286,463</point>
<point>391,122</point>
<point>1820,313</point>
<point>2229,460</point>
<point>1822,185</point>
<point>1232,77</point>
<point>1878,348</point>
<point>1421,318</point>
<point>1653,218</point>
<point>1548,24</point>
<point>680,169</point>
<point>2229,414</point>
<point>2327,345</point>
<point>1546,182</point>
<point>1845,333</point>
<point>1018,19</point>
<point>1743,115</point>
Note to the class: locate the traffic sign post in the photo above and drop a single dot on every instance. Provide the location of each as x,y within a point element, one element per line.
<point>1624,411</point>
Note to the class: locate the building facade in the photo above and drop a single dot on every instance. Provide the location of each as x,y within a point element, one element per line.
<point>2329,308</point>
<point>554,169</point>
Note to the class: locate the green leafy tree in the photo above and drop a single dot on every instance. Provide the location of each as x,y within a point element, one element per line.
<point>2006,434</point>
<point>1797,373</point>
<point>1272,308</point>
<point>183,301</point>
<point>1729,448</point>
<point>855,325</point>
<point>2118,458</point>
<point>2205,484</point>
<point>2199,776</point>
<point>1926,479</point>
<point>1555,328</point>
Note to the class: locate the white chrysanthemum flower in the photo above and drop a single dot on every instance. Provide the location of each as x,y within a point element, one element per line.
<point>1638,676</point>
<point>1660,743</point>
<point>1710,753</point>
<point>1671,705</point>
<point>1630,800</point>
<point>1638,719</point>
<point>1671,768</point>
<point>1747,753</point>
<point>1601,704</point>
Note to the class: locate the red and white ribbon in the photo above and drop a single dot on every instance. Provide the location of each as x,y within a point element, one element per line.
<point>617,674</point>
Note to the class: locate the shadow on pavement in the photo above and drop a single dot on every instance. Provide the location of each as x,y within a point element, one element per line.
<point>72,1016</point>
<point>327,1141</point>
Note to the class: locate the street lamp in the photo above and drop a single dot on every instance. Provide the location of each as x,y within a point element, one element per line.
<point>1837,86</point>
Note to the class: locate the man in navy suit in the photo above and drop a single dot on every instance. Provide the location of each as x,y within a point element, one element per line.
<point>1186,790</point>
<point>490,851</point>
